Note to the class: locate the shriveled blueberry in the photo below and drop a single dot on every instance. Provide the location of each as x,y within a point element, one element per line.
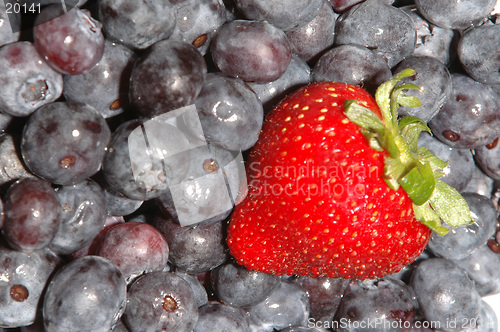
<point>170,75</point>
<point>222,317</point>
<point>237,286</point>
<point>254,51</point>
<point>380,302</point>
<point>138,24</point>
<point>193,249</point>
<point>88,294</point>
<point>445,293</point>
<point>24,277</point>
<point>27,81</point>
<point>286,305</point>
<point>135,248</point>
<point>161,301</point>
<point>32,212</point>
<point>64,142</point>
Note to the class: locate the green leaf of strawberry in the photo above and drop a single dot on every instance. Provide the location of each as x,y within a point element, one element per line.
<point>338,186</point>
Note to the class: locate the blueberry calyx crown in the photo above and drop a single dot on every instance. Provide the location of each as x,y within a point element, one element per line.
<point>416,170</point>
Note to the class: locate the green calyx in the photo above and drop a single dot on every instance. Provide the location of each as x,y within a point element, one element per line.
<point>416,170</point>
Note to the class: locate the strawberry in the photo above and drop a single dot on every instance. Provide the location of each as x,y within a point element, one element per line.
<point>339,188</point>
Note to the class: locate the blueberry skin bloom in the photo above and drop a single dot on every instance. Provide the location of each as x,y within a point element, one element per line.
<point>64,142</point>
<point>88,294</point>
<point>27,81</point>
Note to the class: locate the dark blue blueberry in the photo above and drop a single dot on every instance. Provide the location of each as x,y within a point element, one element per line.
<point>434,81</point>
<point>445,293</point>
<point>237,286</point>
<point>119,205</point>
<point>296,75</point>
<point>352,64</point>
<point>197,21</point>
<point>478,51</point>
<point>220,317</point>
<point>432,41</point>
<point>487,159</point>
<point>64,142</point>
<point>460,169</point>
<point>32,212</point>
<point>193,249</point>
<point>27,81</point>
<point>254,51</point>
<point>483,267</point>
<point>200,293</point>
<point>378,302</point>
<point>480,183</point>
<point>23,278</point>
<point>161,301</point>
<point>138,24</point>
<point>455,14</point>
<point>83,214</point>
<point>286,305</point>
<point>371,24</point>
<point>469,119</point>
<point>105,85</point>
<point>459,242</point>
<point>314,38</point>
<point>231,115</point>
<point>287,15</point>
<point>88,294</point>
<point>325,295</point>
<point>169,76</point>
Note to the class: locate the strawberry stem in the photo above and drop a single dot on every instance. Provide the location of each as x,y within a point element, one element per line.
<point>415,170</point>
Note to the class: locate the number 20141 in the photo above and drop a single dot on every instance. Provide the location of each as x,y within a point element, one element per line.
<point>17,8</point>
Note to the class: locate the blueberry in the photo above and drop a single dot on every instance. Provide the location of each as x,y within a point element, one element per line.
<point>161,301</point>
<point>221,317</point>
<point>137,24</point>
<point>64,142</point>
<point>11,166</point>
<point>104,86</point>
<point>237,286</point>
<point>434,81</point>
<point>480,183</point>
<point>468,119</point>
<point>288,15</point>
<point>445,293</point>
<point>478,52</point>
<point>193,249</point>
<point>286,305</point>
<point>381,303</point>
<point>197,22</point>
<point>231,115</point>
<point>135,248</point>
<point>254,51</point>
<point>32,212</point>
<point>170,75</point>
<point>487,159</point>
<point>352,64</point>
<point>88,294</point>
<point>485,322</point>
<point>199,291</point>
<point>317,36</point>
<point>370,24</point>
<point>27,81</point>
<point>119,205</point>
<point>455,14</point>
<point>83,214</point>
<point>24,277</point>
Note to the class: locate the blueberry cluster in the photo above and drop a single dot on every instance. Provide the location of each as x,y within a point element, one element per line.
<point>88,243</point>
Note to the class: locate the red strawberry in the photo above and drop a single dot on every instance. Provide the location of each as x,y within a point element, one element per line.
<point>338,188</point>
